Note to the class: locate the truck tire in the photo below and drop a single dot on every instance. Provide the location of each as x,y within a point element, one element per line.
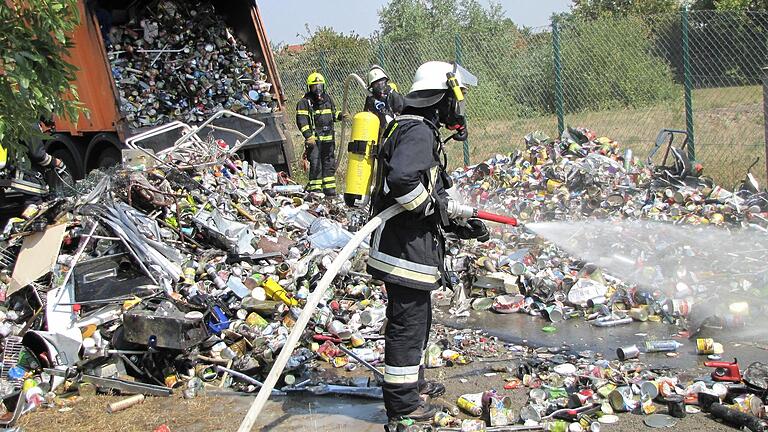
<point>103,151</point>
<point>62,147</point>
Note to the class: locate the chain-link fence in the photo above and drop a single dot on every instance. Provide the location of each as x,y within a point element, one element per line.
<point>623,78</point>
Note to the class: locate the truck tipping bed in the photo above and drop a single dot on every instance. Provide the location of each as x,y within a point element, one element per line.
<point>99,94</point>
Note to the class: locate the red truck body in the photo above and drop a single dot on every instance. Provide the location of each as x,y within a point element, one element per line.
<point>97,138</point>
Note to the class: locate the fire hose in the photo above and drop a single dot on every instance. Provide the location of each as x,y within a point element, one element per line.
<point>345,109</point>
<point>455,210</point>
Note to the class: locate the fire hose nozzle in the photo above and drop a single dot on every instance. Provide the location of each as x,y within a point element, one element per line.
<point>461,211</point>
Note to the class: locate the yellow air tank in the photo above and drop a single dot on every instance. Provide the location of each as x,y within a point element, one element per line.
<point>361,160</point>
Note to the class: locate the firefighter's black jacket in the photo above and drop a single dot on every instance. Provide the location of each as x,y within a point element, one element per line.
<point>408,249</point>
<point>386,109</point>
<point>317,117</point>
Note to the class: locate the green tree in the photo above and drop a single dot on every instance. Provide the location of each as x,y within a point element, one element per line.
<point>326,38</point>
<point>619,8</point>
<point>732,5</point>
<point>35,79</point>
<point>332,53</point>
<point>402,20</point>
<point>407,20</point>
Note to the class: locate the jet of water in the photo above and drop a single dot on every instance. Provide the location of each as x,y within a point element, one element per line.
<point>684,261</point>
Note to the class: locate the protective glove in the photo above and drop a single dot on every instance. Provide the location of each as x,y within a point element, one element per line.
<point>474,229</point>
<point>59,167</point>
<point>310,141</point>
<point>460,133</point>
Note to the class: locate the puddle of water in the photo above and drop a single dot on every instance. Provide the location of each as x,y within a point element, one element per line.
<point>320,414</point>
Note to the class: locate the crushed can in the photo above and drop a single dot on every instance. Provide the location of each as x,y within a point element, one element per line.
<point>444,419</point>
<point>500,411</point>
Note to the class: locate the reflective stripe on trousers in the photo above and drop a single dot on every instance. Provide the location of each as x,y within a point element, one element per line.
<point>409,317</point>
<point>322,162</point>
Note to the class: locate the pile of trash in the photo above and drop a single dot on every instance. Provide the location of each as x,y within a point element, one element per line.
<point>180,63</point>
<point>581,391</point>
<point>613,262</point>
<point>158,278</point>
<point>582,175</point>
<point>180,273</point>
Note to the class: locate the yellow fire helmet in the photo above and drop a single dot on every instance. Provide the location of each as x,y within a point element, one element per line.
<point>315,78</point>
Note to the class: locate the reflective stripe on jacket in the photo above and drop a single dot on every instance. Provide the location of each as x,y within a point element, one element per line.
<point>409,248</point>
<point>317,118</point>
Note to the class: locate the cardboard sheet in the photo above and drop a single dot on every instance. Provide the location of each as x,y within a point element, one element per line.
<point>38,255</point>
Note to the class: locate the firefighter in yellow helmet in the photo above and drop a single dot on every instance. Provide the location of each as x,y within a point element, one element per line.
<point>315,116</point>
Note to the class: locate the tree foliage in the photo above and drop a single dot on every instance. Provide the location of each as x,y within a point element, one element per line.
<point>34,76</point>
<point>405,20</point>
<point>594,9</point>
<point>332,53</point>
<point>326,38</point>
<point>622,8</point>
<point>734,5</point>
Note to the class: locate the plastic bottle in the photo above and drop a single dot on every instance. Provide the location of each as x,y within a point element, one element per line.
<point>235,284</point>
<point>210,270</point>
<point>327,234</point>
<point>662,346</point>
<point>434,356</point>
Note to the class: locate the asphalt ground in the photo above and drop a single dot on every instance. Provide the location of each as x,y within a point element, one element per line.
<point>343,413</point>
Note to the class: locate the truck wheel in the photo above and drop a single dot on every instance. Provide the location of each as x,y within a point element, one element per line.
<point>63,147</point>
<point>108,157</point>
<point>103,151</point>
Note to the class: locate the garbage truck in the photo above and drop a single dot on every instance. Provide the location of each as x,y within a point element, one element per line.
<point>99,135</point>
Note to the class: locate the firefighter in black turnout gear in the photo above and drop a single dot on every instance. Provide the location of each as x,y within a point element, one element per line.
<point>315,115</point>
<point>383,100</point>
<point>407,251</point>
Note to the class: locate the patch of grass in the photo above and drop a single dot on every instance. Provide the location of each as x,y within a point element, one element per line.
<point>728,131</point>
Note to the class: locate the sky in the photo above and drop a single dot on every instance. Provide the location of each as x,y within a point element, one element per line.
<point>285,19</point>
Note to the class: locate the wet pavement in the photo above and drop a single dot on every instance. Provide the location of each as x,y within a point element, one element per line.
<point>748,346</point>
<point>338,414</point>
<point>292,413</point>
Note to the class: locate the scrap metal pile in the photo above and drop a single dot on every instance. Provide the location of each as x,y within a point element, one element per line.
<point>664,268</point>
<point>670,273</point>
<point>177,275</point>
<point>182,63</point>
<point>570,391</point>
<point>161,278</point>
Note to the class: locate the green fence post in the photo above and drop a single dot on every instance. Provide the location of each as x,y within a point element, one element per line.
<point>688,84</point>
<point>559,110</point>
<point>460,61</point>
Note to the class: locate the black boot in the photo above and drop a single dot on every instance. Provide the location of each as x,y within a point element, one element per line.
<point>432,389</point>
<point>424,412</point>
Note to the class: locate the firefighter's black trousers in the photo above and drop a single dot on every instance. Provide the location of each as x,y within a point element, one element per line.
<point>409,318</point>
<point>322,167</point>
